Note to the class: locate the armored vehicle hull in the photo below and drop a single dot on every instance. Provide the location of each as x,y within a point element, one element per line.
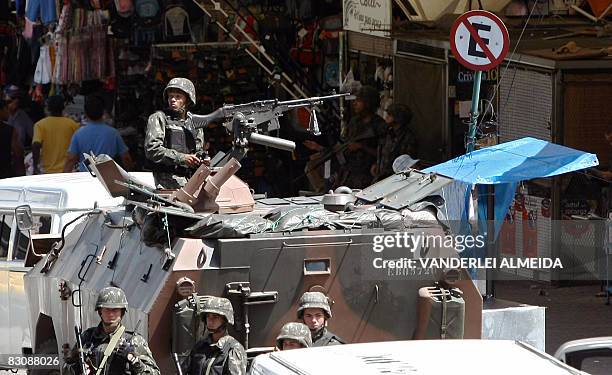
<point>262,261</point>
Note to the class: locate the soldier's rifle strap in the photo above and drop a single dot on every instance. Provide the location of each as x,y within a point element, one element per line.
<point>111,346</point>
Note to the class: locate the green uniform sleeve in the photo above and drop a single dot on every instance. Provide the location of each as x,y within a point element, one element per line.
<point>145,364</point>
<point>237,360</point>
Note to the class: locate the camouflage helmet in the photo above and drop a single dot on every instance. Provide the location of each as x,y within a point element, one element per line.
<point>313,300</point>
<point>294,331</point>
<point>112,298</point>
<point>221,306</point>
<point>184,85</point>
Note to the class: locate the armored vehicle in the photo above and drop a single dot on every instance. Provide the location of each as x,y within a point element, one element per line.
<point>170,250</point>
<point>167,259</point>
<point>54,201</point>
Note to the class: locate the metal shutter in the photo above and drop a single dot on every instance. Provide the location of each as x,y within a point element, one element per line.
<point>525,104</point>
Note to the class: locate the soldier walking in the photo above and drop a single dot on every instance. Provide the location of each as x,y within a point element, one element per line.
<point>218,353</point>
<point>131,354</point>
<point>172,140</point>
<point>294,335</point>
<point>314,311</point>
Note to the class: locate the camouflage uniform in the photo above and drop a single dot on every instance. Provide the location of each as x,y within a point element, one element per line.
<point>366,130</point>
<point>226,356</point>
<point>294,331</point>
<point>318,300</point>
<point>95,341</point>
<point>170,138</point>
<point>398,141</point>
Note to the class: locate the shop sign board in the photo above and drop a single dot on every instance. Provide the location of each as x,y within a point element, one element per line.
<point>371,17</point>
<point>479,40</point>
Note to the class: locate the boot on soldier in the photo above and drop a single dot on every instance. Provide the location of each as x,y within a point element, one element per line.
<point>314,311</point>
<point>218,352</point>
<point>131,354</point>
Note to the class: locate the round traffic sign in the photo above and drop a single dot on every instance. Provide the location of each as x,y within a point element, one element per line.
<point>479,40</point>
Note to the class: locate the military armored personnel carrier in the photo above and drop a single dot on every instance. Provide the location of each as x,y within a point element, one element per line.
<point>167,258</point>
<point>169,250</point>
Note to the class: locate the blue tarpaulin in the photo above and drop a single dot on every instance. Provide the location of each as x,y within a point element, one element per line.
<point>509,163</point>
<point>520,160</point>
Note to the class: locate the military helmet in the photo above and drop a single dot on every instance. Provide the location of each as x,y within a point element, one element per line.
<point>112,298</point>
<point>294,331</point>
<point>370,96</point>
<point>184,85</point>
<point>221,306</point>
<point>313,300</point>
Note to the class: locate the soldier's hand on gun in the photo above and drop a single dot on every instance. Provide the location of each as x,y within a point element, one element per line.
<point>192,160</point>
<point>127,351</point>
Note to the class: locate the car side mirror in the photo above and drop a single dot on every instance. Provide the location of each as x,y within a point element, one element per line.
<point>23,214</point>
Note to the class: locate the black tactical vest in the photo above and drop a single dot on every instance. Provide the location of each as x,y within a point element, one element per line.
<point>207,359</point>
<point>179,136</point>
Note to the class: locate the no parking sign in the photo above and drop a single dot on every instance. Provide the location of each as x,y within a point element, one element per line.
<point>479,40</point>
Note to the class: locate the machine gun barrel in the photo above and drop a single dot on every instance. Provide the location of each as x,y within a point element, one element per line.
<point>79,346</point>
<point>266,140</point>
<point>312,100</point>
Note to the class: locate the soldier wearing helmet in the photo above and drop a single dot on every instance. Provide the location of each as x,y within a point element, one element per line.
<point>131,354</point>
<point>218,352</point>
<point>314,311</point>
<point>398,140</point>
<point>294,335</point>
<point>361,139</point>
<point>172,141</point>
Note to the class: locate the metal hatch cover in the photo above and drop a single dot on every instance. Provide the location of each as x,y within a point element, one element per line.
<point>403,189</point>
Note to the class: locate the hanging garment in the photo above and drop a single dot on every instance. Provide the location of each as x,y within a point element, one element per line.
<point>42,74</point>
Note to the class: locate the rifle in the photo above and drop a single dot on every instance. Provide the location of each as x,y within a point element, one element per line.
<point>79,344</point>
<point>244,120</point>
<point>177,364</point>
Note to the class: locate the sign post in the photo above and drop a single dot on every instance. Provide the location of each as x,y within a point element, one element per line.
<point>479,40</point>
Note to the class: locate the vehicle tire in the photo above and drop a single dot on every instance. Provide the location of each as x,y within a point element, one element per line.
<point>47,347</point>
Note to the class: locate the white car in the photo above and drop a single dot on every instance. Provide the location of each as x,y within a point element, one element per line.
<point>418,357</point>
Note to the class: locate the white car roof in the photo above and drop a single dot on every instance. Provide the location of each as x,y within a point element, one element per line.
<point>60,191</point>
<point>427,357</point>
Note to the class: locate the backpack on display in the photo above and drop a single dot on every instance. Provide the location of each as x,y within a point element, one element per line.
<point>177,27</point>
<point>147,10</point>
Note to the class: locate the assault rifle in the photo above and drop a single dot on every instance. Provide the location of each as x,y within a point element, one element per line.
<point>245,120</point>
<point>80,350</point>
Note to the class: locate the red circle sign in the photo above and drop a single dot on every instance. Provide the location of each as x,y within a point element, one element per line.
<point>479,40</point>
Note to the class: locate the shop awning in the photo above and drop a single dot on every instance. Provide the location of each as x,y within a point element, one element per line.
<point>520,160</point>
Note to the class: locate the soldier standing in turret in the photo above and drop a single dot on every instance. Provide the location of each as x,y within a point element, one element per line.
<point>172,140</point>
<point>294,335</point>
<point>314,311</point>
<point>131,354</point>
<point>218,353</point>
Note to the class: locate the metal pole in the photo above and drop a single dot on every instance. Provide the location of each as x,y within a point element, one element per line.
<point>471,139</point>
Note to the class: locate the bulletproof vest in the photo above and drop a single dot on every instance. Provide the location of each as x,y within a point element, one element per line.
<point>326,339</point>
<point>208,359</point>
<point>115,365</point>
<point>178,137</point>
<point>6,161</point>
